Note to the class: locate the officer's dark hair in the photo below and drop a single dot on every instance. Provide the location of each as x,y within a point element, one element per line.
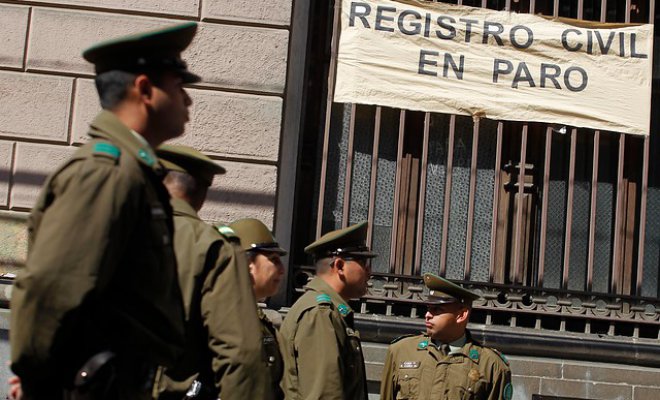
<point>323,265</point>
<point>112,86</point>
<point>183,182</point>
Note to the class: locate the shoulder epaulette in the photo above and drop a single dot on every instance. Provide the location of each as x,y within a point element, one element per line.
<point>227,232</point>
<point>323,299</point>
<point>402,337</point>
<point>502,356</point>
<point>104,149</point>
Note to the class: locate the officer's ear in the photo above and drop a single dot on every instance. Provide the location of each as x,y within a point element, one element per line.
<point>338,264</point>
<point>463,314</point>
<point>144,87</point>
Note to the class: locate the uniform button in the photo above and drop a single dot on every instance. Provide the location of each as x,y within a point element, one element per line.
<point>271,359</point>
<point>405,376</point>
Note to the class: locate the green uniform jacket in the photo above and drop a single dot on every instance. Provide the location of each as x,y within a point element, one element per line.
<point>416,370</point>
<point>223,333</point>
<point>101,271</point>
<point>272,352</point>
<point>322,353</point>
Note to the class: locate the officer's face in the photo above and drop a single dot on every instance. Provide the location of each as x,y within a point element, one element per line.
<point>170,107</point>
<point>267,272</point>
<point>444,322</point>
<point>357,272</point>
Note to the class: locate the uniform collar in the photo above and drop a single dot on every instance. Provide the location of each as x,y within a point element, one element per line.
<point>458,353</point>
<point>107,126</point>
<point>181,207</point>
<point>319,285</point>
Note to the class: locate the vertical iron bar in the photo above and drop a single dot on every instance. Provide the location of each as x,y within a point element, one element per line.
<point>628,6</point>
<point>642,216</point>
<point>603,10</point>
<point>507,5</point>
<point>580,9</point>
<point>569,211</point>
<point>544,204</point>
<point>517,263</point>
<point>484,3</point>
<point>652,12</point>
<point>349,169</point>
<point>496,200</point>
<point>328,110</point>
<point>397,189</point>
<point>532,6</point>
<point>555,8</point>
<point>616,253</point>
<point>473,189</point>
<point>447,202</point>
<point>422,194</point>
<point>374,175</point>
<point>592,211</point>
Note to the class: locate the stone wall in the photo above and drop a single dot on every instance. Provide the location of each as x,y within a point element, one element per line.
<point>47,95</point>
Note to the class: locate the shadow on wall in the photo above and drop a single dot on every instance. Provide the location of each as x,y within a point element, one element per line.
<point>215,195</point>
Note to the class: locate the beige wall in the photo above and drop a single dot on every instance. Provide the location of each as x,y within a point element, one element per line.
<point>47,95</point>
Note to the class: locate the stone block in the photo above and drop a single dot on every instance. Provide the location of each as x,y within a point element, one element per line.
<point>374,352</point>
<point>13,20</point>
<point>35,106</point>
<point>34,162</point>
<point>174,7</point>
<point>246,190</point>
<point>236,125</point>
<point>646,393</point>
<point>240,57</point>
<point>52,48</point>
<point>229,124</point>
<point>374,371</point>
<point>273,12</point>
<point>13,241</point>
<point>525,386</point>
<point>585,389</point>
<point>601,372</point>
<point>6,155</point>
<point>85,107</point>
<point>534,367</point>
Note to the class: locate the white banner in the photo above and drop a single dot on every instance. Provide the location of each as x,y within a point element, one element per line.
<point>444,58</point>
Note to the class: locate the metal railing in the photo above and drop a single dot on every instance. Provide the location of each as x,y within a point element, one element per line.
<point>591,277</point>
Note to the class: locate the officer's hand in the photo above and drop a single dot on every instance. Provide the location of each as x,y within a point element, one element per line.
<point>15,390</point>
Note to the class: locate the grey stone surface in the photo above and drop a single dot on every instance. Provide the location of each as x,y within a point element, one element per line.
<point>6,154</point>
<point>13,20</point>
<point>35,106</point>
<point>275,12</point>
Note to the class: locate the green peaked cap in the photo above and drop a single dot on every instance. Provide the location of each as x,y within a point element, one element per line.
<point>156,50</point>
<point>442,291</point>
<point>186,159</point>
<point>348,242</point>
<point>254,235</point>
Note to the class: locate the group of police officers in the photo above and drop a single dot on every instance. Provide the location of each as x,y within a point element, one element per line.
<point>128,294</point>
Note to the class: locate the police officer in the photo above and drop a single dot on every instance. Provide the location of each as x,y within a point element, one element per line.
<point>322,351</point>
<point>98,305</point>
<point>267,271</point>
<point>223,356</point>
<point>445,363</point>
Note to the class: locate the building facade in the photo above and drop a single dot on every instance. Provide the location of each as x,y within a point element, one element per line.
<point>555,226</point>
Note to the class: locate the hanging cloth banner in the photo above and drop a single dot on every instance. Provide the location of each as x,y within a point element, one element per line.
<point>445,58</point>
